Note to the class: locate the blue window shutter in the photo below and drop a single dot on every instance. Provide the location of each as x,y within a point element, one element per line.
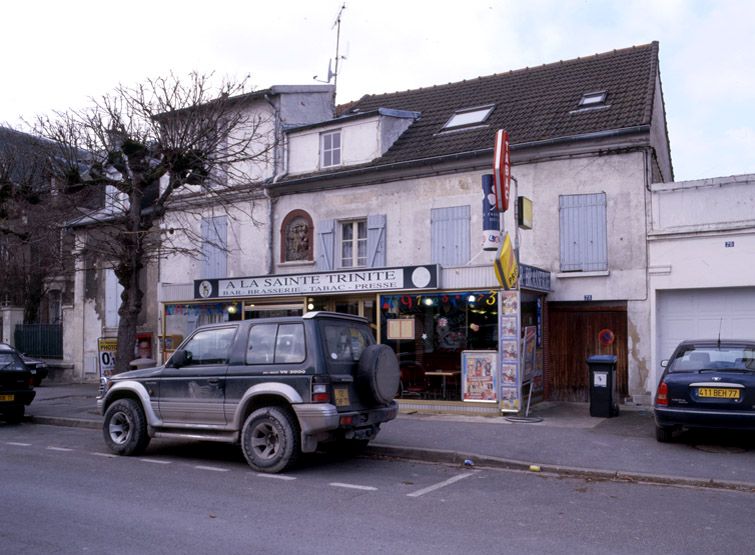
<point>214,247</point>
<point>376,241</point>
<point>449,228</point>
<point>326,240</point>
<point>583,230</point>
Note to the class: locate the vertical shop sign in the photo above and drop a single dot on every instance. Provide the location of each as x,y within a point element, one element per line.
<point>106,349</point>
<point>508,337</point>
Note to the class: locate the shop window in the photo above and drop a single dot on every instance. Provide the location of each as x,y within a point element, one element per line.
<point>584,243</point>
<point>450,235</point>
<point>214,247</point>
<point>296,237</point>
<point>429,332</point>
<point>351,243</point>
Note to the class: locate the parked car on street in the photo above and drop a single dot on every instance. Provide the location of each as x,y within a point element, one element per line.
<point>706,384</point>
<point>276,386</point>
<point>37,367</point>
<point>16,385</point>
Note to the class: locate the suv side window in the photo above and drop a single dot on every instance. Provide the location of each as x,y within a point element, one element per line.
<point>209,346</point>
<point>345,342</point>
<point>261,346</point>
<point>289,346</point>
<point>270,343</point>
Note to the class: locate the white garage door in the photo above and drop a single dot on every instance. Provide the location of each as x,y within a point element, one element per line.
<point>700,313</point>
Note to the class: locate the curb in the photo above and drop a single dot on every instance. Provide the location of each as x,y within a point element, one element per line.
<point>67,422</point>
<point>456,458</point>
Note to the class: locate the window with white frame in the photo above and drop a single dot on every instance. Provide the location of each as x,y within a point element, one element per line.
<point>353,242</point>
<point>330,148</point>
<point>584,234</point>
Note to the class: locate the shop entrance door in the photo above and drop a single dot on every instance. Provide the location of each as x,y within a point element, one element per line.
<point>576,331</point>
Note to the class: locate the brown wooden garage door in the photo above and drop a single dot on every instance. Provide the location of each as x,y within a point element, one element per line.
<point>573,335</point>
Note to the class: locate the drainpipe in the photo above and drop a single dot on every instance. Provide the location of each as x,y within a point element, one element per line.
<point>278,172</point>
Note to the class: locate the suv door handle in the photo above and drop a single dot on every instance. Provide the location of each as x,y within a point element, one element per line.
<point>213,381</point>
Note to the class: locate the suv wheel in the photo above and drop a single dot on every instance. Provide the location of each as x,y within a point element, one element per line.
<point>125,428</point>
<point>270,440</point>
<point>379,374</point>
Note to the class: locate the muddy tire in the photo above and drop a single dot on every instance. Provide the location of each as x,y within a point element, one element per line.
<point>379,375</point>
<point>125,428</point>
<point>270,440</point>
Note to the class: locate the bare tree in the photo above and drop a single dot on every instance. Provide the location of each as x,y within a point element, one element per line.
<point>30,213</point>
<point>167,146</point>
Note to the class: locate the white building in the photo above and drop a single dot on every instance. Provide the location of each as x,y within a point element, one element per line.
<point>701,263</point>
<point>378,212</point>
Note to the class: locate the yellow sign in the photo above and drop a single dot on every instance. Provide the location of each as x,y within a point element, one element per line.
<point>506,267</point>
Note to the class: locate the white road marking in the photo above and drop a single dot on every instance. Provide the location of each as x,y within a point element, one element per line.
<point>442,484</point>
<point>352,486</point>
<point>276,476</point>
<point>155,461</point>
<point>108,455</point>
<point>17,444</point>
<point>51,448</point>
<point>212,468</point>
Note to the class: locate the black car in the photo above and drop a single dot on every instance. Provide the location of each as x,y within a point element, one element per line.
<point>37,367</point>
<point>16,385</point>
<point>707,384</point>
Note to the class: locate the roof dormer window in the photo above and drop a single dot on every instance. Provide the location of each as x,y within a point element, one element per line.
<point>593,99</point>
<point>469,116</point>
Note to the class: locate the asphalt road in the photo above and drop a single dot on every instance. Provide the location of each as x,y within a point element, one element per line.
<point>62,492</point>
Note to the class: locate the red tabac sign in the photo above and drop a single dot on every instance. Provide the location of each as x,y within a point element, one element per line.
<point>501,170</point>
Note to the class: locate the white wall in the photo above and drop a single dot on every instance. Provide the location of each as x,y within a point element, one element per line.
<point>702,237</point>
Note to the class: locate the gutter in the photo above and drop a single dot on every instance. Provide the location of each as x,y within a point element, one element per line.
<point>613,133</point>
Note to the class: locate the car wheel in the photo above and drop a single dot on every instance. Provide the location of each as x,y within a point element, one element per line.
<point>379,373</point>
<point>664,435</point>
<point>125,428</point>
<point>14,415</point>
<point>270,440</point>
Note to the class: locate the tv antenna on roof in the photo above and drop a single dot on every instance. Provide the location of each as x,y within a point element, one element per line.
<point>333,73</point>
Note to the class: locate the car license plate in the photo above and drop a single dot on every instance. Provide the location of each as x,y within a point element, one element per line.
<point>342,397</point>
<point>7,397</point>
<point>718,393</point>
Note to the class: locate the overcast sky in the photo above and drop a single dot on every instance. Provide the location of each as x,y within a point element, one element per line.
<point>56,54</point>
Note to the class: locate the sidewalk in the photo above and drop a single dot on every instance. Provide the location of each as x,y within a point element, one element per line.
<point>567,442</point>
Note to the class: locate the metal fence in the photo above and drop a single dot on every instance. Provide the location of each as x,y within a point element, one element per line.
<point>40,340</point>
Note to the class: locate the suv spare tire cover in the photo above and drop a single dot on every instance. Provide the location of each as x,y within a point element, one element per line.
<point>379,374</point>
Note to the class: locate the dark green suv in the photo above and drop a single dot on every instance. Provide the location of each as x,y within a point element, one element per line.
<point>277,386</point>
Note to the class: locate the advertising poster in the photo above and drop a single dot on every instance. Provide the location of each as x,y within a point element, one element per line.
<point>478,376</point>
<point>106,349</point>
<point>509,365</point>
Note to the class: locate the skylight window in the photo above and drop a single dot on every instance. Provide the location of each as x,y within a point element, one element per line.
<point>469,116</point>
<point>592,99</point>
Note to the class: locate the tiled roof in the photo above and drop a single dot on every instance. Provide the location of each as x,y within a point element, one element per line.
<point>532,104</point>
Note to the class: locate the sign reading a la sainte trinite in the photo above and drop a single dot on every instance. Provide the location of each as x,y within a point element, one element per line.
<point>350,281</point>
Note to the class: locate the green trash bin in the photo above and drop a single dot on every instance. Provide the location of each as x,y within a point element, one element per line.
<point>603,394</point>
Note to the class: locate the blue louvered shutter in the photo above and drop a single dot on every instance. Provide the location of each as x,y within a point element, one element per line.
<point>584,237</point>
<point>214,247</point>
<point>325,246</point>
<point>376,241</point>
<point>449,228</point>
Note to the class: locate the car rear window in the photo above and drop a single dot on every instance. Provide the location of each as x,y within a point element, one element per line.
<point>11,361</point>
<point>345,341</point>
<point>696,358</point>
